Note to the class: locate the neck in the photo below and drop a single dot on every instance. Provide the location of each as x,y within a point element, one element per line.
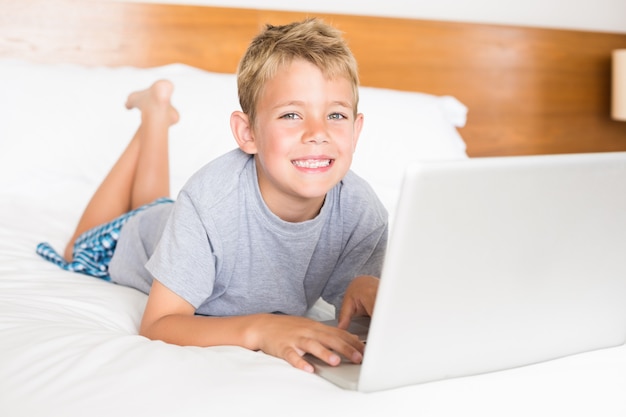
<point>295,210</point>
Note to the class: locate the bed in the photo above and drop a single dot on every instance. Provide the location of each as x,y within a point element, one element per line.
<point>430,90</point>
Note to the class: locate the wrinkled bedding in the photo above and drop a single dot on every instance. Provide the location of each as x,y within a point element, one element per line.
<point>69,343</point>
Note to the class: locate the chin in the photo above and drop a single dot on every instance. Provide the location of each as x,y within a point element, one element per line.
<point>315,192</point>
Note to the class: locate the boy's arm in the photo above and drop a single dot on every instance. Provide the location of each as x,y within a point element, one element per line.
<point>358,300</point>
<point>170,318</point>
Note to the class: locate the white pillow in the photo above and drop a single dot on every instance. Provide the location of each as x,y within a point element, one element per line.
<point>400,127</point>
<point>63,126</point>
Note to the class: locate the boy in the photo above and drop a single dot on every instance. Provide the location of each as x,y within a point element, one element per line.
<point>258,235</point>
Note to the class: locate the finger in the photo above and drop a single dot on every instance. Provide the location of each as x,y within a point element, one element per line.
<point>330,346</point>
<point>345,314</point>
<point>297,361</point>
<point>342,343</point>
<point>316,347</point>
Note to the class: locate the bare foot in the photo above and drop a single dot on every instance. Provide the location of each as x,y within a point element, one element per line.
<point>155,99</point>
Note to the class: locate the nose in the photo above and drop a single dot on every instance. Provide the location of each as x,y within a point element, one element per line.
<point>316,131</point>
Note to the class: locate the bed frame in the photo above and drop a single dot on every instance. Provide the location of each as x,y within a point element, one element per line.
<point>529,90</point>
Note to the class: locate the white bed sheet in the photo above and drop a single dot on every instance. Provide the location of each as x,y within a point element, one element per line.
<point>69,343</point>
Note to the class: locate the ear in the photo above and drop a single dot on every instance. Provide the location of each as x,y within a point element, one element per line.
<point>242,131</point>
<point>358,125</point>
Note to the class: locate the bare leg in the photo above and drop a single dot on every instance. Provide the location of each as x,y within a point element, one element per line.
<point>141,174</point>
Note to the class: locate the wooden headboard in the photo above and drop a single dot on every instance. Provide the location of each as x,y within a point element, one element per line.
<point>528,90</point>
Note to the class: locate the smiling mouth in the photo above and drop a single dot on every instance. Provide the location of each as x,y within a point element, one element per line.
<point>312,163</point>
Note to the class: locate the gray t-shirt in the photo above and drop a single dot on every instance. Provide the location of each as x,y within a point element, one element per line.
<point>220,248</point>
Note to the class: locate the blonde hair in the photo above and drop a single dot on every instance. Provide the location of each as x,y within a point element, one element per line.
<point>310,40</point>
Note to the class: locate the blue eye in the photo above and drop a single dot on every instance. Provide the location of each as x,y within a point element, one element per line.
<point>336,116</point>
<point>290,116</point>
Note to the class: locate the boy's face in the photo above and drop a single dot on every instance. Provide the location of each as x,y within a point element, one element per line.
<point>304,137</point>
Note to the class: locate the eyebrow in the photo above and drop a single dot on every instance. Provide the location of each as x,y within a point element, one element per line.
<point>346,104</point>
<point>341,103</point>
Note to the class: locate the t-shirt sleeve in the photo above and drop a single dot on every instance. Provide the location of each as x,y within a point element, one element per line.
<point>365,227</point>
<point>364,258</point>
<point>184,259</point>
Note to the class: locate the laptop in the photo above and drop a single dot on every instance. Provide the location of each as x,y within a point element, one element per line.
<point>495,263</point>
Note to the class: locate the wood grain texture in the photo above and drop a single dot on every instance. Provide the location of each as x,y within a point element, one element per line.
<point>529,90</point>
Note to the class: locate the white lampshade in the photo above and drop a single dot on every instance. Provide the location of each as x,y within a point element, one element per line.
<point>618,102</point>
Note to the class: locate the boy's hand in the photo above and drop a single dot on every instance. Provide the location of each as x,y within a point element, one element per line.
<point>170,318</point>
<point>358,300</point>
<point>290,337</point>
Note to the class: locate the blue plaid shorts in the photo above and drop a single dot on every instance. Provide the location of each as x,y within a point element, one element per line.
<point>93,249</point>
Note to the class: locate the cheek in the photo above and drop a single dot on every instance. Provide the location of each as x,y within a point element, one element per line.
<point>351,137</point>
<point>272,137</point>
<point>270,148</point>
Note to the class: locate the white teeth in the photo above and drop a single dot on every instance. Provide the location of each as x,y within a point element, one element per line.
<point>312,163</point>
